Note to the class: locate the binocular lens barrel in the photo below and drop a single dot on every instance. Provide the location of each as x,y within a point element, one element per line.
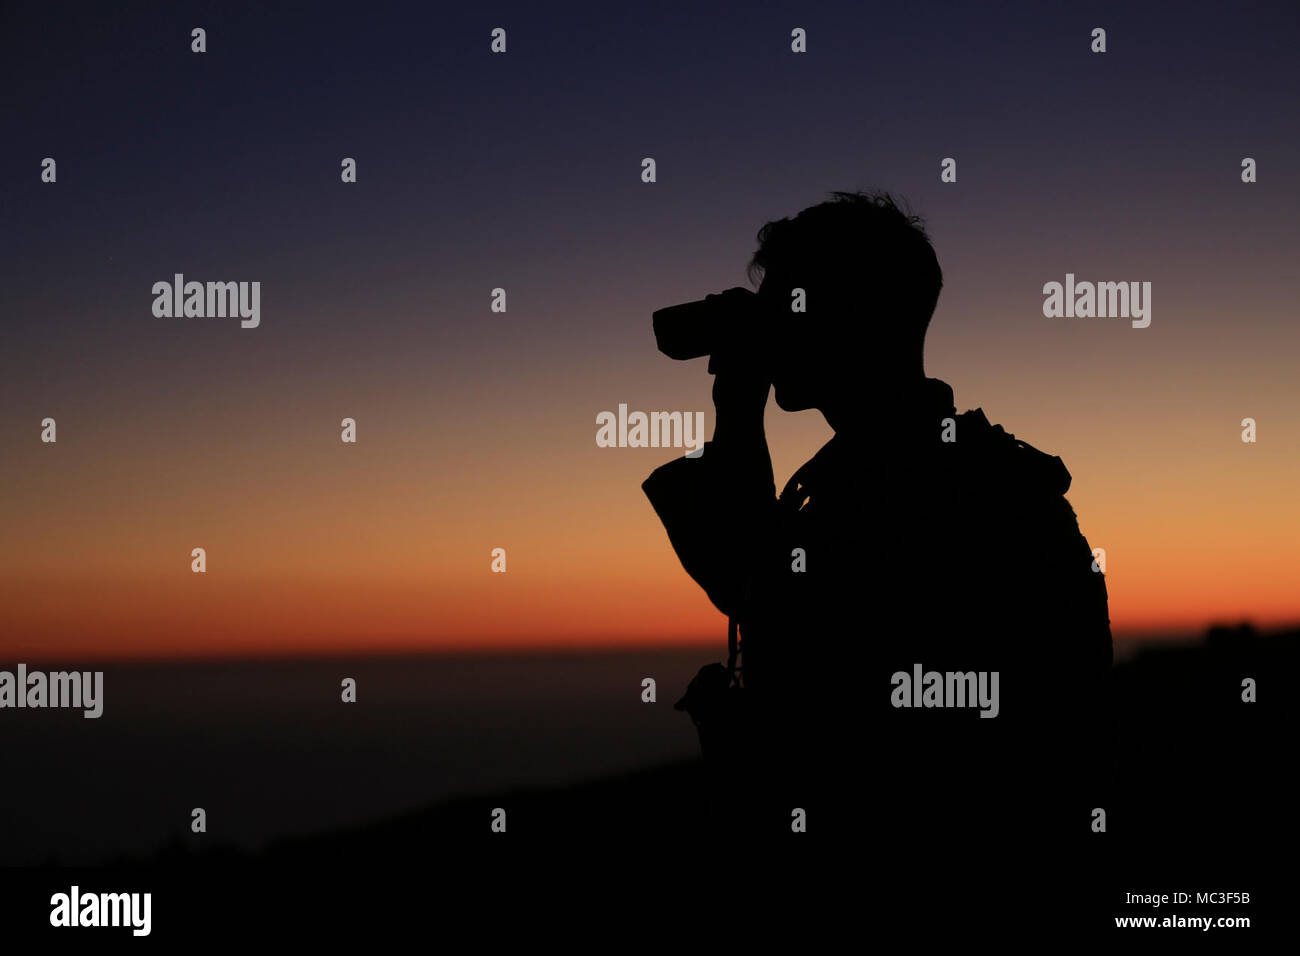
<point>686,331</point>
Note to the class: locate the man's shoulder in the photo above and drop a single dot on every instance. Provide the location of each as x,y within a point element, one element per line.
<point>990,454</point>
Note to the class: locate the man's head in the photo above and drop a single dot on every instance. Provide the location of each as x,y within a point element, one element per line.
<point>871,281</point>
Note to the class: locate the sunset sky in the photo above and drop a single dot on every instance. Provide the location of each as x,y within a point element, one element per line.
<point>476,430</point>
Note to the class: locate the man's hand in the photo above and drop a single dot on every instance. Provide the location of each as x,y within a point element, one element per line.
<point>739,399</point>
<point>741,380</point>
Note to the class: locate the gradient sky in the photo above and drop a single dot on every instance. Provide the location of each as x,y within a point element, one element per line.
<point>476,430</point>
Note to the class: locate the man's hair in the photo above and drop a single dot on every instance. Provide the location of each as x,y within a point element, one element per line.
<point>863,246</point>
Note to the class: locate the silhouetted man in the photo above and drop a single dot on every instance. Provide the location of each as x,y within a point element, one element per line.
<point>917,541</point>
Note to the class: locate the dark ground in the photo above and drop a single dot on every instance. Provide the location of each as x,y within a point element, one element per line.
<point>1202,803</point>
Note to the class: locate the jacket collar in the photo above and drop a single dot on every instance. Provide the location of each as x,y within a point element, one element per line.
<point>913,418</point>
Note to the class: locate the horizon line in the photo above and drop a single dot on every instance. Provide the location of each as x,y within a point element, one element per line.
<point>1132,639</point>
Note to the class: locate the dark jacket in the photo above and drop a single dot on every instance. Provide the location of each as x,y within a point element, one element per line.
<point>960,556</point>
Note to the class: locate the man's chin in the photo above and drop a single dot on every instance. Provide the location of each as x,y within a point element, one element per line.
<point>789,403</point>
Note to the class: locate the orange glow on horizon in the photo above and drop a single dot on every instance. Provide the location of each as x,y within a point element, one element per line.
<point>315,547</point>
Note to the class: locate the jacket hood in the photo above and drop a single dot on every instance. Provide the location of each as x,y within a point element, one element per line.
<point>984,451</point>
<point>1000,452</point>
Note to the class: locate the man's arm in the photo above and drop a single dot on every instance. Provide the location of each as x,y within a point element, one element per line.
<point>720,508</point>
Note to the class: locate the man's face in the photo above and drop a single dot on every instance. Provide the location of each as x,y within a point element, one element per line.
<point>797,361</point>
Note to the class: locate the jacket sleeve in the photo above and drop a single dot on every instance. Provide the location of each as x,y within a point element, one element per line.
<point>721,515</point>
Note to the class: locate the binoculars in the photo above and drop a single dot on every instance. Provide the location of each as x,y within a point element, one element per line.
<point>728,321</point>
